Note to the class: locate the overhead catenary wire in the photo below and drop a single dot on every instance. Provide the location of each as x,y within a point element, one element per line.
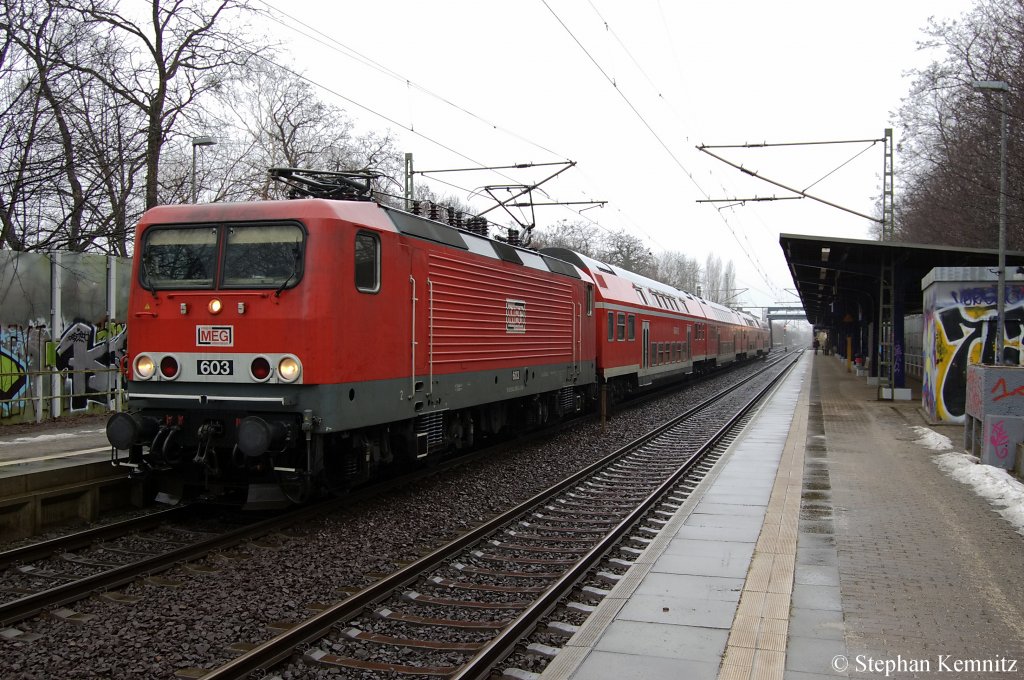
<point>339,47</point>
<point>407,83</point>
<point>335,45</point>
<point>750,256</point>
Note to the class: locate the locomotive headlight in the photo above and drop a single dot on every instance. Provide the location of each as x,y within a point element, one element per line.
<point>144,367</point>
<point>289,369</point>
<point>215,306</point>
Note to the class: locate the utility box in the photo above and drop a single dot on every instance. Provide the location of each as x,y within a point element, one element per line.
<point>994,418</point>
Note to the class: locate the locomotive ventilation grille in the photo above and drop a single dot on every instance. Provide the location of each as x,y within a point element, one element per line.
<point>567,399</point>
<point>431,425</point>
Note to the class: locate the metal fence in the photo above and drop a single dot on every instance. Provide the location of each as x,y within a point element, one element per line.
<point>913,364</point>
<point>51,393</point>
<point>62,333</point>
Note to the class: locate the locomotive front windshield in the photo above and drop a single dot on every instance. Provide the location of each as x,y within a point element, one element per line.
<point>223,256</point>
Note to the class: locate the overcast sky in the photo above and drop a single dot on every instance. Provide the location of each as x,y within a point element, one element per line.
<point>627,90</point>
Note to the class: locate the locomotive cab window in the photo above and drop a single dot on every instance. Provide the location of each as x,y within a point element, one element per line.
<point>222,256</point>
<point>367,262</point>
<point>179,258</point>
<point>622,326</point>
<point>262,256</point>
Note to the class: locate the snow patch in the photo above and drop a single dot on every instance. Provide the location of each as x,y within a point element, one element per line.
<point>46,437</point>
<point>932,439</point>
<point>993,484</point>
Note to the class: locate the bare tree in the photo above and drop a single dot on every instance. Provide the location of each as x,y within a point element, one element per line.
<point>44,95</point>
<point>678,270</point>
<point>274,118</point>
<point>729,290</point>
<point>949,148</point>
<point>89,99</point>
<point>166,62</point>
<point>712,279</point>
<point>425,194</point>
<point>22,125</point>
<point>577,236</point>
<point>629,252</point>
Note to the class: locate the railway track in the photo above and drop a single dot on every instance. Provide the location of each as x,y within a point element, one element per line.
<point>49,574</point>
<point>463,608</point>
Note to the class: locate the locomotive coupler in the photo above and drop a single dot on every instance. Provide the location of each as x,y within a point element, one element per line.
<point>206,433</point>
<point>308,423</point>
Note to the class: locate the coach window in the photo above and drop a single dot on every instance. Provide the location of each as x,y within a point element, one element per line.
<point>611,326</point>
<point>622,325</point>
<point>367,262</point>
<point>631,327</point>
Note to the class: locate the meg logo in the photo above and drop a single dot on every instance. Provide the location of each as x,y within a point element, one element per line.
<point>515,316</point>
<point>215,336</point>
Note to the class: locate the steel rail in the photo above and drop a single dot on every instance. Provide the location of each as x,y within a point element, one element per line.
<point>82,539</point>
<point>504,643</point>
<point>22,608</point>
<point>281,646</point>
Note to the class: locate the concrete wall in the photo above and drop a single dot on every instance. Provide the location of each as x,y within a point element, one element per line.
<point>62,332</point>
<point>959,330</point>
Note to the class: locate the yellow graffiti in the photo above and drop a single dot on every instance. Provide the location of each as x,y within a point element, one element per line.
<point>10,374</point>
<point>109,332</point>
<point>945,353</point>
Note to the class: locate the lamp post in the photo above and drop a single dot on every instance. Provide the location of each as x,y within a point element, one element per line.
<point>1003,89</point>
<point>197,142</point>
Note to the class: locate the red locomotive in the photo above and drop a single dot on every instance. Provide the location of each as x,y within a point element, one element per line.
<point>282,348</point>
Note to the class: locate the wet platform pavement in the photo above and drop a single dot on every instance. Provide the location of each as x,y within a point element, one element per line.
<point>828,545</point>
<point>54,444</point>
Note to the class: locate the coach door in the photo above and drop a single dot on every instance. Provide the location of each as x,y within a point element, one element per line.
<point>645,334</point>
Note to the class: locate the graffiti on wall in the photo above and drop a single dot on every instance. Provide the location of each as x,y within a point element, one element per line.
<point>959,330</point>
<point>49,366</point>
<point>20,353</point>
<point>89,355</point>
<point>13,380</point>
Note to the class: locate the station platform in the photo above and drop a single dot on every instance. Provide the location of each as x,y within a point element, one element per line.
<point>828,545</point>
<point>57,473</point>
<point>53,444</point>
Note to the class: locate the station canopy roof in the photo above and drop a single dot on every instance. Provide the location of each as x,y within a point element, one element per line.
<point>838,274</point>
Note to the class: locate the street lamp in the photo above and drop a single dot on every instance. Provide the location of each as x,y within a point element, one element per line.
<point>197,142</point>
<point>1003,89</point>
